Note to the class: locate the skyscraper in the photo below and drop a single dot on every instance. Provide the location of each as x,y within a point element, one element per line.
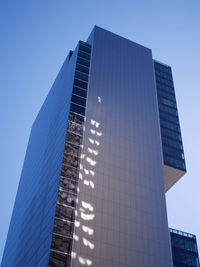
<point>104,148</point>
<point>184,249</point>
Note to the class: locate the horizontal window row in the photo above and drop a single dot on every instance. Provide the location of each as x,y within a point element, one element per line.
<point>78,100</point>
<point>168,133</point>
<point>164,75</point>
<point>167,102</point>
<point>70,172</point>
<point>66,198</point>
<point>73,138</point>
<point>179,164</point>
<point>85,47</point>
<point>77,109</point>
<point>71,160</point>
<point>75,118</point>
<point>172,143</point>
<point>164,81</point>
<point>80,92</point>
<point>163,93</point>
<point>83,61</point>
<point>75,128</point>
<point>69,184</point>
<point>173,152</point>
<point>183,259</point>
<point>161,86</point>
<point>60,243</point>
<point>168,117</point>
<point>73,149</point>
<point>82,68</point>
<point>162,67</point>
<point>84,54</point>
<point>63,227</point>
<point>180,242</point>
<point>80,83</point>
<point>170,125</point>
<point>59,259</point>
<point>168,109</point>
<point>64,212</point>
<point>81,76</point>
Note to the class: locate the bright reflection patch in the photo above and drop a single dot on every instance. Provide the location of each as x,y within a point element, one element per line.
<point>74,255</point>
<point>89,183</point>
<point>86,171</point>
<point>77,224</point>
<point>88,230</point>
<point>87,205</point>
<point>92,172</point>
<point>87,217</point>
<point>84,261</point>
<point>97,143</point>
<point>75,237</point>
<point>88,243</point>
<point>91,161</point>
<point>91,140</point>
<point>92,131</point>
<point>98,133</point>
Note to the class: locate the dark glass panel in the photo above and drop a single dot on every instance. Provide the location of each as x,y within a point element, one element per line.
<point>79,91</point>
<point>84,55</point>
<point>81,76</point>
<point>64,212</point>
<point>82,68</point>
<point>83,61</point>
<point>61,243</point>
<point>85,47</point>
<point>77,109</point>
<point>80,83</point>
<point>78,100</point>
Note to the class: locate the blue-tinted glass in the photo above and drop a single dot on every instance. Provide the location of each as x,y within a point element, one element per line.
<point>184,249</point>
<point>79,91</point>
<point>170,130</point>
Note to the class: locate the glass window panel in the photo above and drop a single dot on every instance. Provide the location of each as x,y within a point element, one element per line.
<point>80,83</point>
<point>81,76</point>
<point>83,61</point>
<point>77,109</point>
<point>79,91</point>
<point>78,100</point>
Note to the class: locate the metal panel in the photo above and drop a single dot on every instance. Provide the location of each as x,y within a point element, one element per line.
<point>121,217</point>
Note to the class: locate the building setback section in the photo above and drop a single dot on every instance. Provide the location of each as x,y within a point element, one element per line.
<point>184,249</point>
<point>92,188</point>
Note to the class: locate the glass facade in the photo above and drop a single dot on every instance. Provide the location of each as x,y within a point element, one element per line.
<point>62,241</point>
<point>173,154</point>
<point>184,249</point>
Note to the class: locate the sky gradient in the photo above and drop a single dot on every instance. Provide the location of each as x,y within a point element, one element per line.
<point>35,39</point>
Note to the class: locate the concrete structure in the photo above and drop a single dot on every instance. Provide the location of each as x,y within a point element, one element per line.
<point>92,191</point>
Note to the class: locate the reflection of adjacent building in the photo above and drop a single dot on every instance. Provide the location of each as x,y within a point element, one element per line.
<point>184,249</point>
<point>104,148</point>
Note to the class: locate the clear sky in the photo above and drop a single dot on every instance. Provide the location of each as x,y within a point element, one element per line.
<point>36,36</point>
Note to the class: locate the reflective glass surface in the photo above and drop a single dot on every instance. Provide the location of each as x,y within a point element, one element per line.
<point>173,153</point>
<point>184,249</point>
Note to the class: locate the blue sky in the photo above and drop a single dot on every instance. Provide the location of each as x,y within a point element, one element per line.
<point>35,39</point>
